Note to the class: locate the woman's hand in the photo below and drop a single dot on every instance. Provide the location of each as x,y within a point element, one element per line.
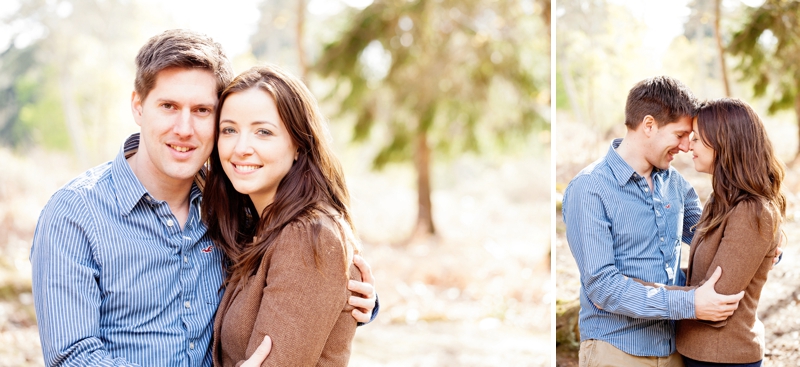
<point>366,302</point>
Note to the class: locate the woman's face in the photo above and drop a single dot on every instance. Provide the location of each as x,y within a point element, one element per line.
<point>255,148</point>
<point>702,155</point>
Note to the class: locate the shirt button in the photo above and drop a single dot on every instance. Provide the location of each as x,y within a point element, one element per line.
<point>170,223</point>
<point>186,259</point>
<point>187,304</point>
<point>662,239</point>
<point>191,345</point>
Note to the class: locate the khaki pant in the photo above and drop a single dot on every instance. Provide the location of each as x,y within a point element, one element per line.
<point>597,353</point>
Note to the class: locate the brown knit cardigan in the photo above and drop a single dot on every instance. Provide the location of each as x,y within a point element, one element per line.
<point>744,246</point>
<point>303,308</point>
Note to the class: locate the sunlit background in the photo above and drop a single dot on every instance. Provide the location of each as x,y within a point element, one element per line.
<point>604,47</point>
<point>464,281</point>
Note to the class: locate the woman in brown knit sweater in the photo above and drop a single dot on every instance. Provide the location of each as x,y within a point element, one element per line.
<point>738,231</point>
<point>277,205</point>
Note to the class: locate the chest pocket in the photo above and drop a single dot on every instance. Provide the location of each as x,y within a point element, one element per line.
<point>209,264</point>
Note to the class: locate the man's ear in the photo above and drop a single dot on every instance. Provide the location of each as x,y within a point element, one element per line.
<point>649,125</point>
<point>136,108</point>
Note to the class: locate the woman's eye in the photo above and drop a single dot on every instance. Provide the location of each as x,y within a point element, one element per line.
<point>263,132</point>
<point>227,130</point>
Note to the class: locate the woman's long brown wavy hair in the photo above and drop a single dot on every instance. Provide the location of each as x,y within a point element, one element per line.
<point>314,184</point>
<point>745,166</point>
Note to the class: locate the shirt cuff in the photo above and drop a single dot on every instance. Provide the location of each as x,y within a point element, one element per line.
<point>374,312</point>
<point>681,304</point>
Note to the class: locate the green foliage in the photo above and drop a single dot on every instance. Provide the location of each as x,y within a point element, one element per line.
<point>460,72</point>
<point>14,94</point>
<point>72,64</point>
<point>768,49</point>
<point>40,113</point>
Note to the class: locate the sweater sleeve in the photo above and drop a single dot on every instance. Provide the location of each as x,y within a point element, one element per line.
<point>748,238</point>
<point>302,300</point>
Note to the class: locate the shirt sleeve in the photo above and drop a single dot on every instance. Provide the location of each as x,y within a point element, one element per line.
<point>590,240</point>
<point>374,312</point>
<point>65,289</point>
<point>302,302</point>
<point>691,212</point>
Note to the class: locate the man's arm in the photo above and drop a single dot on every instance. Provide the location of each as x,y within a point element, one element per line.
<point>65,289</point>
<point>691,212</point>
<point>590,240</point>
<point>708,304</point>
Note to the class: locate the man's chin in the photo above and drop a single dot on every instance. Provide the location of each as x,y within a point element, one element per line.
<point>664,165</point>
<point>184,171</point>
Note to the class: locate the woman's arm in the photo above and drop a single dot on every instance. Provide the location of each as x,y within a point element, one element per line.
<point>747,239</point>
<point>301,301</point>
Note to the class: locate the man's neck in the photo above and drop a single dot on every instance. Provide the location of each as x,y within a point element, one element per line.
<point>632,150</point>
<point>173,191</point>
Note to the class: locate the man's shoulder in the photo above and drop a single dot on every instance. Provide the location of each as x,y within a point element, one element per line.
<point>593,174</point>
<point>90,183</point>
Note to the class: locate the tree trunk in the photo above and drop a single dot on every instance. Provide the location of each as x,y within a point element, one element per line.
<point>546,18</point>
<point>572,91</point>
<point>568,335</point>
<point>422,153</point>
<point>720,48</point>
<point>797,116</point>
<point>72,118</point>
<point>301,53</point>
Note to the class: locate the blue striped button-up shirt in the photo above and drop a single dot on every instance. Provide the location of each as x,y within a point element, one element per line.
<point>618,229</point>
<point>116,281</point>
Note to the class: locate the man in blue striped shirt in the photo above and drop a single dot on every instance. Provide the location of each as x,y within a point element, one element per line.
<point>123,271</point>
<point>626,215</point>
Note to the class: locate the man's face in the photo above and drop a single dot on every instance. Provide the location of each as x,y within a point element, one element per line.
<point>668,140</point>
<point>177,123</point>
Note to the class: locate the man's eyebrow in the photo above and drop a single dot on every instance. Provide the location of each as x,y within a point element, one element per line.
<point>167,100</point>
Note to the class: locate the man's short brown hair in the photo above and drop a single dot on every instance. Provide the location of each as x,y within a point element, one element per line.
<point>184,49</point>
<point>663,97</point>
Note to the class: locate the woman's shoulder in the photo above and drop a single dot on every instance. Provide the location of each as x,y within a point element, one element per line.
<point>322,225</point>
<point>754,210</point>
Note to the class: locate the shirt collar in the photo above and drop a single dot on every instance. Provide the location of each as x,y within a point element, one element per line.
<point>130,190</point>
<point>622,170</point>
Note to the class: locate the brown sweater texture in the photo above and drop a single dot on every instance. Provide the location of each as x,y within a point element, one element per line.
<point>301,306</point>
<point>744,246</point>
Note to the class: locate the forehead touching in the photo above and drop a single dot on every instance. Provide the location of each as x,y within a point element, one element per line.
<point>682,125</point>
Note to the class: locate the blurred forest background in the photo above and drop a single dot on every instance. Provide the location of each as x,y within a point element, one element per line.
<point>744,49</point>
<point>439,110</point>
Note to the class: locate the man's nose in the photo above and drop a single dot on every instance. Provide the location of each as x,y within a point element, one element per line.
<point>184,124</point>
<point>684,145</point>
